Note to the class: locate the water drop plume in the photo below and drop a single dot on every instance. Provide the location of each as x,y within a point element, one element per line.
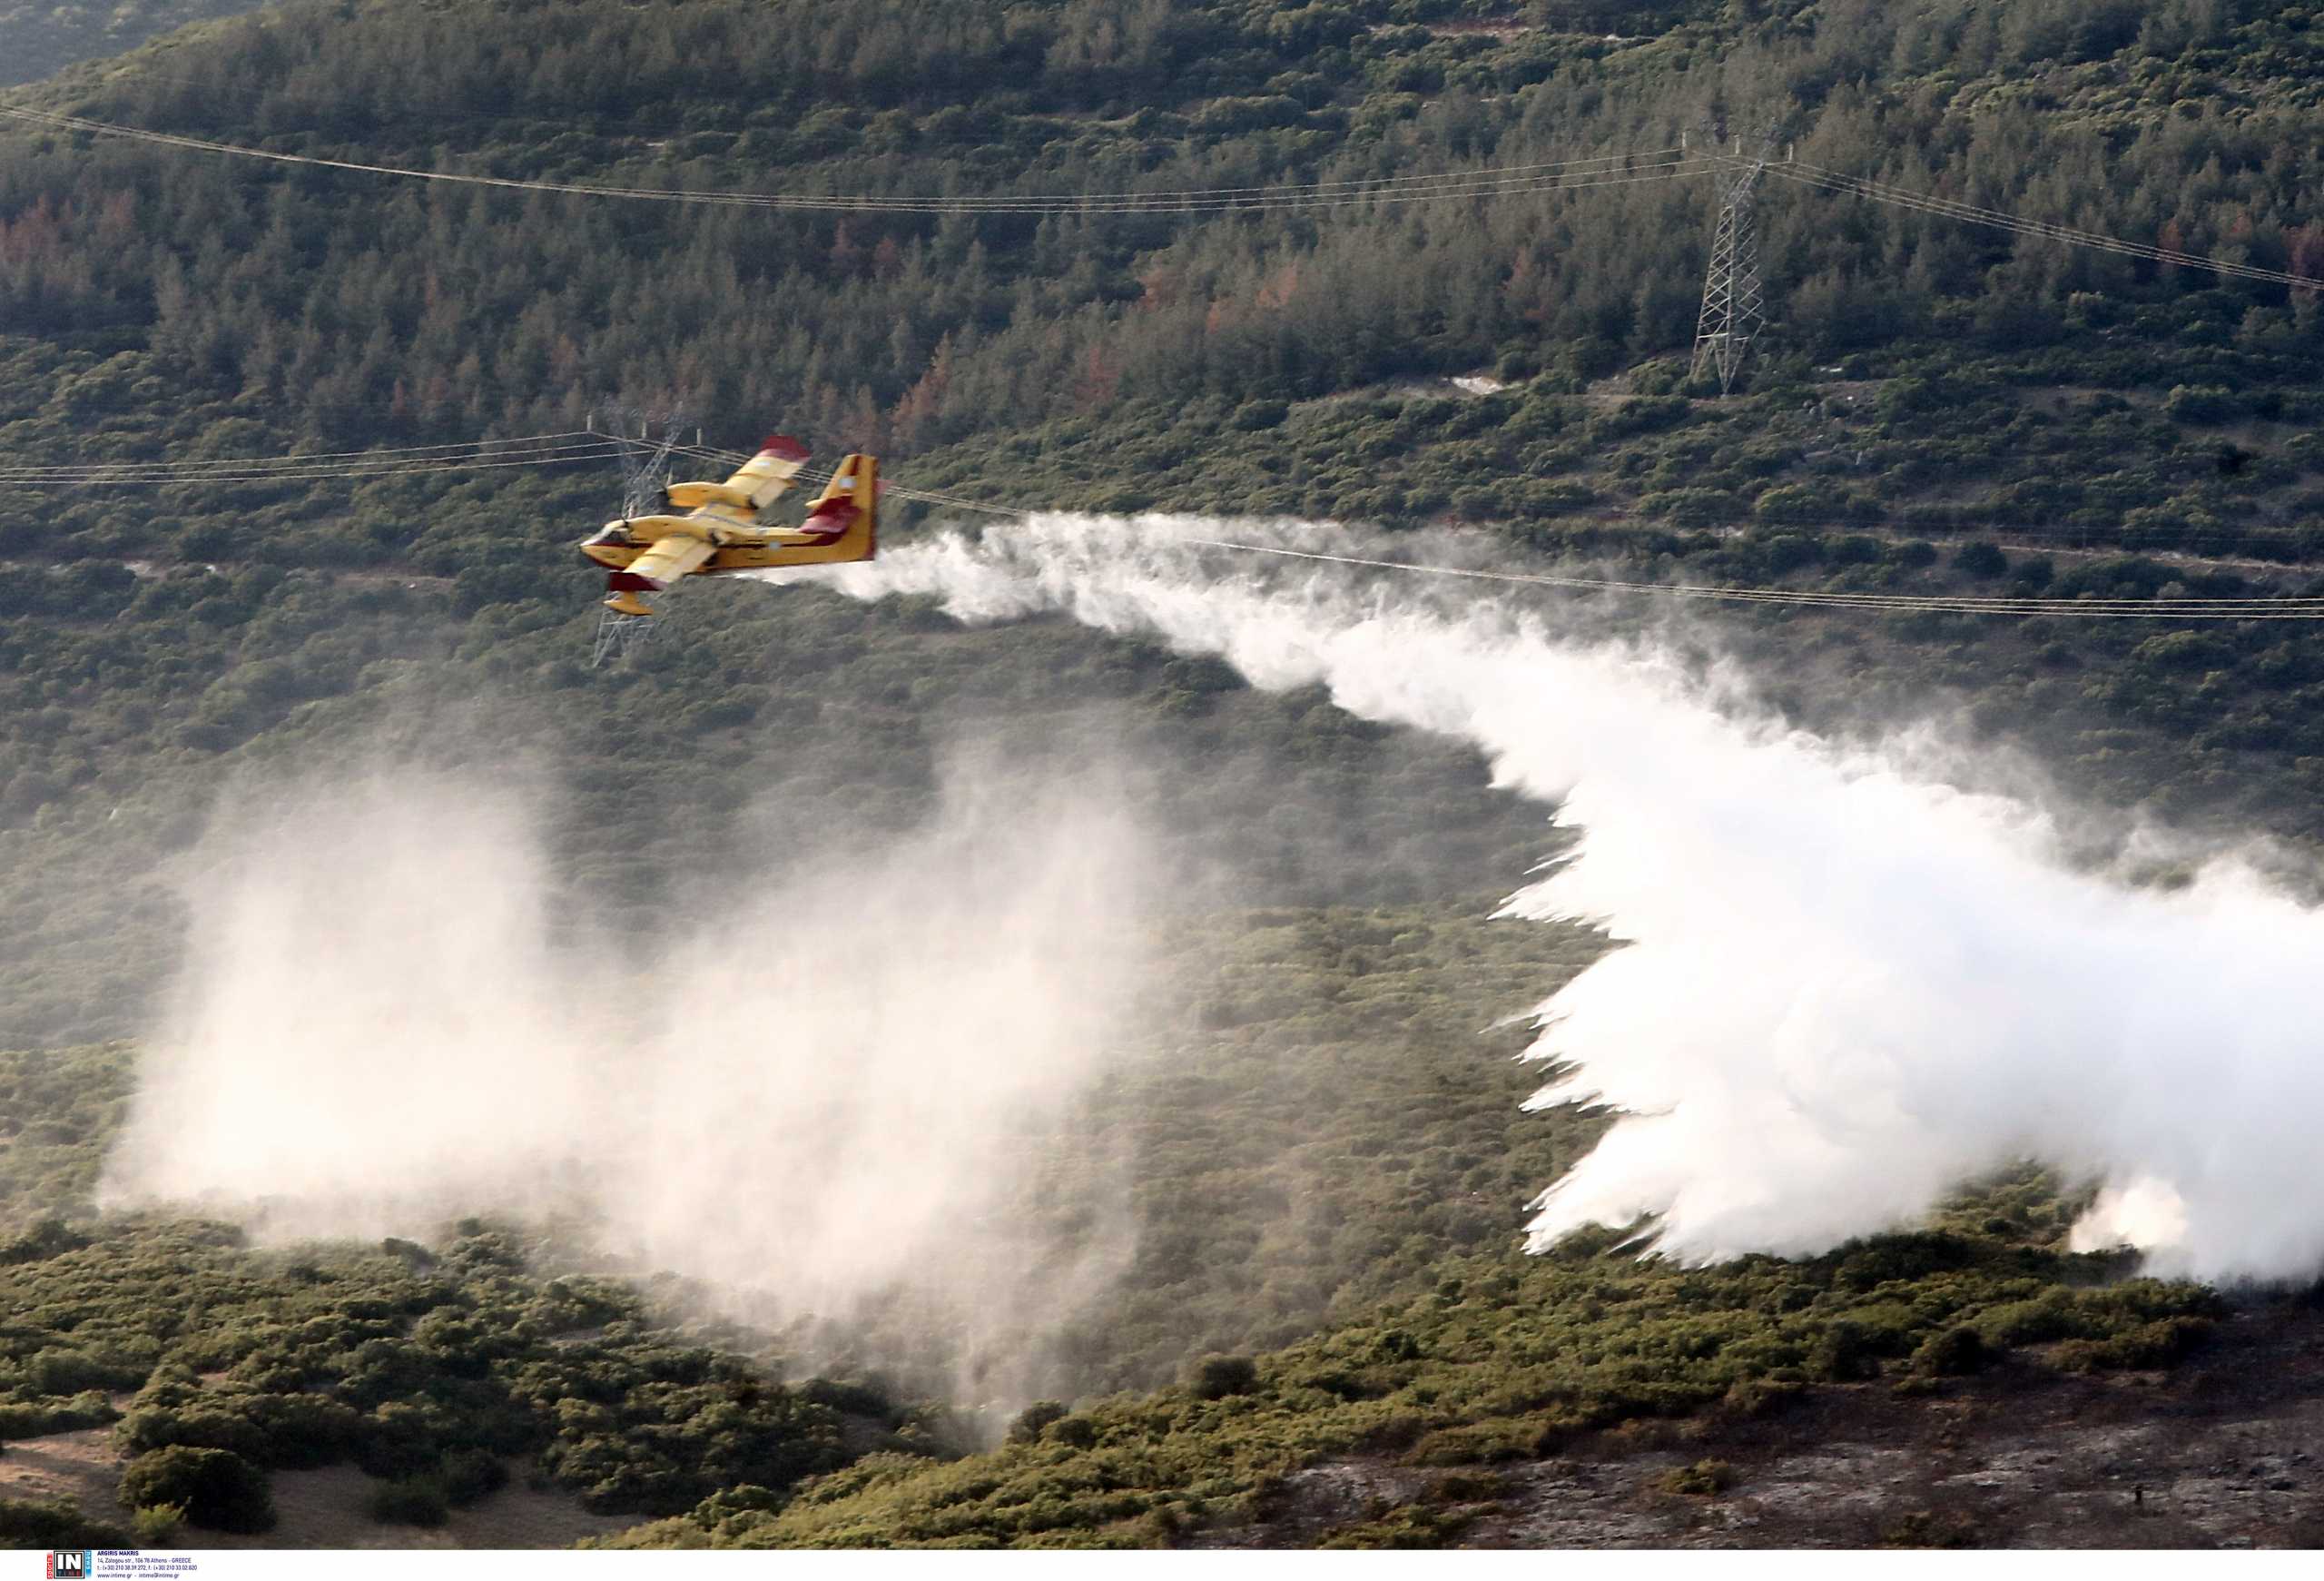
<point>1844,985</point>
<point>826,1101</point>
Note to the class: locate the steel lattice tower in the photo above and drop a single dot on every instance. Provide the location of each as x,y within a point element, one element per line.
<point>1734,306</point>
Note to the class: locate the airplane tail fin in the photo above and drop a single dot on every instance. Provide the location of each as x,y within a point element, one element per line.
<point>848,511</point>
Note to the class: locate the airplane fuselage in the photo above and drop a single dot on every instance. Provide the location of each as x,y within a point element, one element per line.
<point>734,549</point>
<point>840,527</point>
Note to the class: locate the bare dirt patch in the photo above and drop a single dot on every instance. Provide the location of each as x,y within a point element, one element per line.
<point>81,1466</point>
<point>328,1508</point>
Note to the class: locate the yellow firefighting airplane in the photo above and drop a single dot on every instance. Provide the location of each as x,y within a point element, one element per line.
<point>719,530</point>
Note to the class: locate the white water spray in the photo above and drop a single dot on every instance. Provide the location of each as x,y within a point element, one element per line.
<point>1846,988</point>
<point>829,1102</point>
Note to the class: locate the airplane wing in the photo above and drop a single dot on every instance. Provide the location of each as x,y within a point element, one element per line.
<point>754,487</point>
<point>766,475</point>
<point>670,559</point>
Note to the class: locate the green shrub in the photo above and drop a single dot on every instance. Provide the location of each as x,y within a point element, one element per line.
<point>1788,551</point>
<point>27,1524</point>
<point>1702,1479</point>
<point>1761,1397</point>
<point>1079,1432</point>
<point>1951,1353</point>
<point>2148,1344</point>
<point>157,1525</point>
<point>1812,504</point>
<point>1924,1528</point>
<point>2047,1317</point>
<point>2201,403</point>
<point>49,1238</point>
<point>853,1398</point>
<point>1030,1421</point>
<point>1980,559</point>
<point>1844,1353</point>
<point>1217,1376</point>
<point>202,1426</point>
<point>299,1430</point>
<point>60,1370</point>
<point>1406,1526</point>
<point>469,1474</point>
<point>411,1501</point>
<point>1693,504</point>
<point>86,1409</point>
<point>1487,1443</point>
<point>1910,1255</point>
<point>216,1488</point>
<point>1469,1487</point>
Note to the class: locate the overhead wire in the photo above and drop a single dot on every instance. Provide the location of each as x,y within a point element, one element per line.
<point>1998,219</point>
<point>1546,175</point>
<point>547,449</point>
<point>301,458</point>
<point>1584,171</point>
<point>2290,607</point>
<point>500,119</point>
<point>2285,608</point>
<point>1578,172</point>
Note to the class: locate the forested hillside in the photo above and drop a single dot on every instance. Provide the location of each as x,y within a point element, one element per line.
<point>1936,407</point>
<point>1923,383</point>
<point>43,37</point>
<point>413,311</point>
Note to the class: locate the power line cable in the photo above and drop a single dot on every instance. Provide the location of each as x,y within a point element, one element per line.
<point>2285,609</point>
<point>298,470</point>
<point>1487,181</point>
<point>1618,518</point>
<point>455,451</point>
<point>550,450</point>
<point>1576,173</point>
<point>1996,219</point>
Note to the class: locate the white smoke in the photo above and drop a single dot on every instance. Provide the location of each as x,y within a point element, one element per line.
<point>1845,988</point>
<point>828,1102</point>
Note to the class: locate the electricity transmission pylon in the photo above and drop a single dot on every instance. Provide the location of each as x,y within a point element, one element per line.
<point>1734,304</point>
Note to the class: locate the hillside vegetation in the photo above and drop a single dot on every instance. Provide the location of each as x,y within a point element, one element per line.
<point>1337,1152</point>
<point>1500,1363</point>
<point>1925,387</point>
<point>44,37</point>
<point>1329,1167</point>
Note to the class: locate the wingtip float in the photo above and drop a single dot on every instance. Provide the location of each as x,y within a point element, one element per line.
<point>706,528</point>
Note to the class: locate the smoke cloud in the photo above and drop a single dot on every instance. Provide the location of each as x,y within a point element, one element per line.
<point>1843,987</point>
<point>829,1102</point>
